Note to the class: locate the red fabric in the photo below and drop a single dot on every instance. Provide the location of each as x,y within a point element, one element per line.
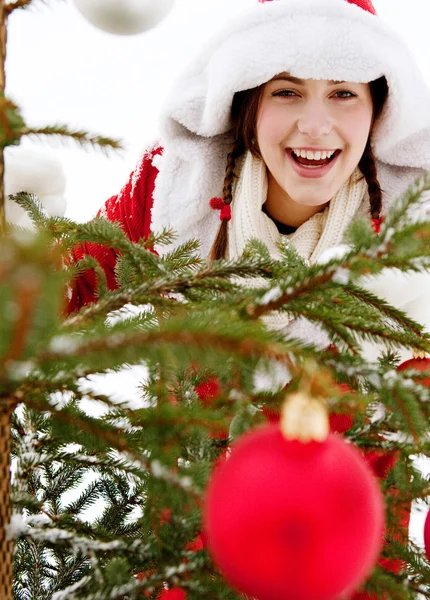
<point>132,210</point>
<point>364,4</point>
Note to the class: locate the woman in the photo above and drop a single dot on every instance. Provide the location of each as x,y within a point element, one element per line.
<point>296,117</point>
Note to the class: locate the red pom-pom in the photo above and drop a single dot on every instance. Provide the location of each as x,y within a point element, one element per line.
<point>427,536</point>
<point>376,224</point>
<point>219,204</point>
<point>216,203</point>
<point>291,520</point>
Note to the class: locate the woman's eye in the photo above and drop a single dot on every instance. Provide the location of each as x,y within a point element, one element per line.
<point>287,93</point>
<point>345,94</point>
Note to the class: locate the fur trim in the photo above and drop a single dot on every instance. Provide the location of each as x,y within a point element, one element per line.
<point>318,39</point>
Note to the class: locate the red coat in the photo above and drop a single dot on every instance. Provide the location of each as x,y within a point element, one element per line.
<point>132,209</point>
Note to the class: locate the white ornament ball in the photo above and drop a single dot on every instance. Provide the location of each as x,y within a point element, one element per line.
<point>36,172</point>
<point>124,17</point>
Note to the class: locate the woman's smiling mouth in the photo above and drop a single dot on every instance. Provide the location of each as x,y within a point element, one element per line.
<point>312,163</point>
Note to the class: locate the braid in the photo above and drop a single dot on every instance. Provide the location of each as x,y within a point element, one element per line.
<point>220,245</point>
<point>368,168</point>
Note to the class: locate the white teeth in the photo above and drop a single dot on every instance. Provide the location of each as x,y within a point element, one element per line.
<point>317,155</point>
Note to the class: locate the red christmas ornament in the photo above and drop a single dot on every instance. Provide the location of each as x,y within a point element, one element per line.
<point>427,536</point>
<point>285,519</point>
<point>340,422</point>
<point>196,545</point>
<point>419,364</point>
<point>175,593</point>
<point>208,391</point>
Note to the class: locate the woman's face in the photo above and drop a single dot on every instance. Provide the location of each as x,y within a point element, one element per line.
<point>300,120</point>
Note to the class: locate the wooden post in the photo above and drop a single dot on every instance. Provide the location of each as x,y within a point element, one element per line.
<point>6,407</point>
<point>6,546</point>
<point>3,39</point>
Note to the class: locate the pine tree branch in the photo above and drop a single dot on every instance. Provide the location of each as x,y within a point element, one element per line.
<point>381,306</point>
<point>308,285</point>
<point>247,347</point>
<point>11,6</point>
<point>159,291</point>
<point>27,291</point>
<point>113,439</point>
<point>82,137</point>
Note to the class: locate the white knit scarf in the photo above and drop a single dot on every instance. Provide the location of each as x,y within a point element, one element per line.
<point>324,230</point>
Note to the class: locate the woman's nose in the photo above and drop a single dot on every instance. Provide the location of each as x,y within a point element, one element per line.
<point>315,121</point>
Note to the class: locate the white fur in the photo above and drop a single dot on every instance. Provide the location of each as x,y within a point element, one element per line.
<point>36,172</point>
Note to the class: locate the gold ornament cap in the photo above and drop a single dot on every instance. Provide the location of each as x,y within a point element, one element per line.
<point>305,418</point>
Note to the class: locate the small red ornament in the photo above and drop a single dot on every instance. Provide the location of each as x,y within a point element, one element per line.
<point>208,390</point>
<point>196,545</point>
<point>419,364</point>
<point>427,536</point>
<point>285,519</point>
<point>165,516</point>
<point>175,593</point>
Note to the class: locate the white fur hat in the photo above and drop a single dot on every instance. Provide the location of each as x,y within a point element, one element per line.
<point>312,39</point>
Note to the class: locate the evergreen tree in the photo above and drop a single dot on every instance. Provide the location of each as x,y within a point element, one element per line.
<point>145,468</point>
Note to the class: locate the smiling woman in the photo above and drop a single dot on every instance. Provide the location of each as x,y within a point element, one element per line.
<point>311,135</point>
<point>290,131</point>
<point>286,128</point>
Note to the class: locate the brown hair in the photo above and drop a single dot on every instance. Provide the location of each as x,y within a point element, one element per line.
<point>244,118</point>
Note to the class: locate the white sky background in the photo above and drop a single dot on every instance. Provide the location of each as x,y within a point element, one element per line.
<point>61,69</point>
